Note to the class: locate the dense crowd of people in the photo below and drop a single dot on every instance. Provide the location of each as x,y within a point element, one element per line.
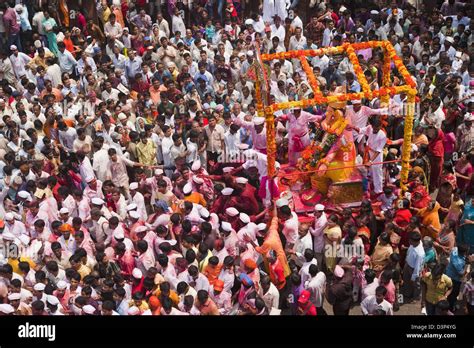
<point>133,166</point>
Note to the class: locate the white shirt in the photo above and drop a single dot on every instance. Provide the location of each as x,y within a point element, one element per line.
<point>177,25</point>
<point>316,287</point>
<point>290,229</point>
<point>271,297</point>
<point>415,259</point>
<point>18,63</point>
<point>376,142</point>
<point>232,141</point>
<point>318,233</point>
<point>67,62</point>
<point>66,138</point>
<point>370,305</point>
<point>280,32</point>
<point>113,94</point>
<point>259,161</point>
<point>139,200</point>
<point>360,118</point>
<point>100,164</point>
<point>369,290</point>
<point>17,228</point>
<point>304,271</point>
<point>301,244</point>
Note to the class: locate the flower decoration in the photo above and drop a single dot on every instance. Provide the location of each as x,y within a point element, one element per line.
<point>316,153</point>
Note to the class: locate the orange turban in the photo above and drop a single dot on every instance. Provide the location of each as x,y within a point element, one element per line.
<point>65,228</point>
<point>154,302</point>
<point>250,264</point>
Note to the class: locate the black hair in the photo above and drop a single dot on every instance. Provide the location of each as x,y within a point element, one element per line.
<point>381,290</point>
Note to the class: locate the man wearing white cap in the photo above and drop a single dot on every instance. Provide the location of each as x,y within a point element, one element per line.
<point>38,292</point>
<point>320,224</point>
<point>224,201</point>
<point>359,114</point>
<point>53,305</point>
<point>21,308</point>
<point>93,188</point>
<point>15,227</point>
<point>193,197</point>
<point>201,181</point>
<point>297,127</point>
<point>257,131</point>
<point>152,183</point>
<point>245,196</point>
<point>137,198</point>
<point>6,309</point>
<point>19,61</point>
<point>268,186</point>
<point>230,238</point>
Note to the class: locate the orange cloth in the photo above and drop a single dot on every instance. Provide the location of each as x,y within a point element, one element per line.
<point>155,305</point>
<point>69,46</point>
<point>272,242</point>
<point>155,95</point>
<point>212,272</point>
<point>430,218</point>
<point>118,16</point>
<point>197,198</point>
<point>56,92</point>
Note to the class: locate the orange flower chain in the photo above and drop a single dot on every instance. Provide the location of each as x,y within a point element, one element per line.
<point>350,49</point>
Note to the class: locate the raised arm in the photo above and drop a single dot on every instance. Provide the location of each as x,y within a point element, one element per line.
<point>241,123</point>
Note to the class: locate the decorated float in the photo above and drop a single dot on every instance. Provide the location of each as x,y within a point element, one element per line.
<point>327,170</point>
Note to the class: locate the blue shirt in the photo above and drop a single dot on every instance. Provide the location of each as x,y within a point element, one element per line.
<point>455,269</point>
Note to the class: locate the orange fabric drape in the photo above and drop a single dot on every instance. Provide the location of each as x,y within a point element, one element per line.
<point>273,242</point>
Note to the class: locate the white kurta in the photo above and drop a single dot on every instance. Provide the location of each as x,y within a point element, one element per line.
<point>268,10</point>
<point>298,128</point>
<point>139,200</point>
<point>376,142</point>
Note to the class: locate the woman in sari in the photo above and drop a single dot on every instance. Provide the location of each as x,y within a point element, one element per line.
<point>430,225</point>
<point>455,210</point>
<point>403,215</point>
<point>304,90</point>
<point>420,197</point>
<point>464,169</point>
<point>419,173</point>
<point>436,156</point>
<point>49,27</point>
<point>382,252</point>
<point>332,237</point>
<point>138,38</point>
<point>466,228</point>
<point>446,239</point>
<point>446,188</point>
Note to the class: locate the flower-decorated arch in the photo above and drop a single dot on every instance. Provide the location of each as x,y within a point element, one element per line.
<point>266,109</point>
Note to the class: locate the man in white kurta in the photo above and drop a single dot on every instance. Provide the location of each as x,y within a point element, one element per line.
<point>166,145</point>
<point>320,223</point>
<point>139,200</point>
<point>376,140</point>
<point>298,137</point>
<point>257,130</point>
